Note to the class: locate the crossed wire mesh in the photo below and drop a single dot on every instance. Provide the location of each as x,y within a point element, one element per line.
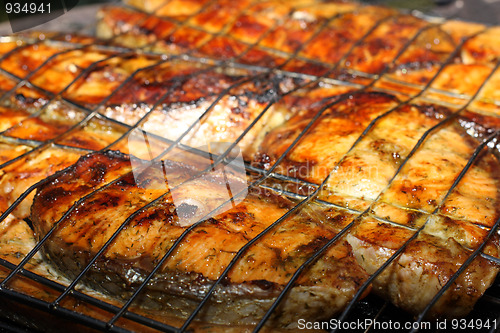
<point>259,72</point>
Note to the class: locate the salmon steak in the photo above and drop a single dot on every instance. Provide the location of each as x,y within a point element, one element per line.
<point>232,162</point>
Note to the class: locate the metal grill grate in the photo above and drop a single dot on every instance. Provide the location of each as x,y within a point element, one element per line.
<point>333,74</point>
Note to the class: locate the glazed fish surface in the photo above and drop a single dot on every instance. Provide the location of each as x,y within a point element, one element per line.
<point>339,40</point>
<point>393,119</point>
<point>249,288</point>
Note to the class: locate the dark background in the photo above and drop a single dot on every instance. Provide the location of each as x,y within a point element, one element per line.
<point>483,11</point>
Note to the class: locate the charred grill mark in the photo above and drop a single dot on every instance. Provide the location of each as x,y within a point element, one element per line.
<point>23,100</point>
<point>264,284</point>
<point>237,217</point>
<point>51,196</point>
<point>313,246</point>
<point>263,160</point>
<point>434,111</point>
<point>97,172</point>
<point>477,125</point>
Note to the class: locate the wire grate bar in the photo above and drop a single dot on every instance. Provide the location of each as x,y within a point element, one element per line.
<point>158,198</point>
<point>178,241</point>
<point>192,227</point>
<point>47,143</point>
<point>379,313</point>
<point>29,42</point>
<point>75,281</point>
<point>36,70</point>
<point>221,33</point>
<point>491,258</point>
<point>455,276</point>
<point>248,67</point>
<point>182,236</point>
<point>41,305</point>
<point>365,285</point>
<point>477,251</point>
<point>401,249</point>
<point>178,25</point>
<point>26,193</point>
<point>286,54</point>
<point>243,250</point>
<point>265,174</point>
<point>89,299</point>
<point>276,176</point>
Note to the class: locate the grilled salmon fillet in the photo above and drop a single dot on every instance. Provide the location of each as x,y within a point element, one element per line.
<point>398,210</point>
<point>339,40</point>
<point>252,284</point>
<point>393,173</point>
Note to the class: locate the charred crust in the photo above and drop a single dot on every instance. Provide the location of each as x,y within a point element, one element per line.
<point>300,169</point>
<point>52,195</point>
<point>433,111</point>
<point>314,245</point>
<point>213,221</point>
<point>23,100</point>
<point>264,284</point>
<point>237,217</point>
<point>354,100</point>
<point>110,201</point>
<point>147,220</point>
<point>97,172</point>
<point>262,160</point>
<point>127,181</point>
<point>109,154</point>
<point>98,163</point>
<point>478,125</point>
<point>415,191</point>
<point>338,219</point>
<point>412,218</point>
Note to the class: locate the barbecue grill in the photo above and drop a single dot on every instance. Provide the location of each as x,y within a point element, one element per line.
<point>68,301</point>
